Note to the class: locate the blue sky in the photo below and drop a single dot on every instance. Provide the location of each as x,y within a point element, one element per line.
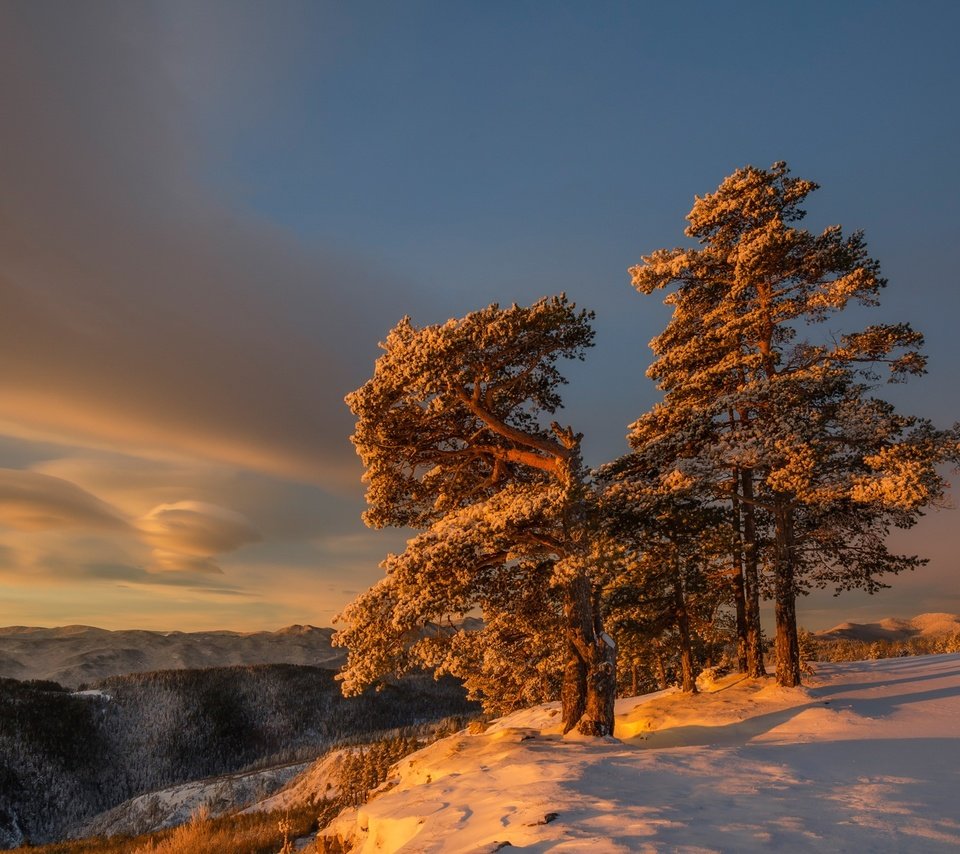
<point>213,211</point>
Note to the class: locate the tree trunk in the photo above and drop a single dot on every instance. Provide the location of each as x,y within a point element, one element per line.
<point>590,677</point>
<point>683,628</point>
<point>739,597</point>
<point>787,643</point>
<point>751,580</point>
<point>601,688</point>
<point>573,694</point>
<point>661,672</point>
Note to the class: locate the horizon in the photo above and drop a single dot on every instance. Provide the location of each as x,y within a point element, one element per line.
<point>213,212</point>
<point>768,626</point>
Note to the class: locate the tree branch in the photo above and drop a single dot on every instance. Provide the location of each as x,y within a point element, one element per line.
<point>501,428</point>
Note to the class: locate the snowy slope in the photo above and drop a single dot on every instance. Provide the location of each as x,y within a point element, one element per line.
<point>866,758</point>
<point>175,805</point>
<point>318,781</point>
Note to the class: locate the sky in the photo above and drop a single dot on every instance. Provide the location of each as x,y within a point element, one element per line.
<point>211,212</point>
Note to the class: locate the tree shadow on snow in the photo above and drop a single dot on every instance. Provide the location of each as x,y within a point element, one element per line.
<point>697,735</point>
<point>867,795</point>
<point>740,732</point>
<point>882,707</point>
<point>828,690</point>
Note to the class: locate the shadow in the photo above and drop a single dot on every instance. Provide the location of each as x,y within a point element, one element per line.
<point>737,732</point>
<point>882,707</point>
<point>743,678</point>
<point>852,796</point>
<point>829,690</point>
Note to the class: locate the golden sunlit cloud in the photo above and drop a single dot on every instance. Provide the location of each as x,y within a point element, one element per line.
<point>30,501</point>
<point>187,534</point>
<point>166,561</point>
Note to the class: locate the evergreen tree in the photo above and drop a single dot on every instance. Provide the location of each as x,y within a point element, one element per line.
<point>675,541</point>
<point>780,416</point>
<point>516,658</point>
<point>449,429</point>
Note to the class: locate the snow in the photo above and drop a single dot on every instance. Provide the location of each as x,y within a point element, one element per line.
<point>94,693</point>
<point>176,805</point>
<point>313,784</point>
<point>865,758</point>
<point>896,628</point>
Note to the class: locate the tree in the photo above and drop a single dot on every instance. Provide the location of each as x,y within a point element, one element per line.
<point>449,429</point>
<point>678,439</point>
<point>672,539</point>
<point>778,416</point>
<point>516,658</point>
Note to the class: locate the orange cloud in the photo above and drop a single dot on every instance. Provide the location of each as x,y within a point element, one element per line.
<point>187,534</point>
<point>139,310</point>
<point>30,501</point>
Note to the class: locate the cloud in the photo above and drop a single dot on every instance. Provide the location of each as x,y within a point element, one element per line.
<point>86,537</point>
<point>279,509</point>
<point>163,561</point>
<point>197,528</point>
<point>30,501</point>
<point>126,574</point>
<point>186,535</point>
<point>139,309</point>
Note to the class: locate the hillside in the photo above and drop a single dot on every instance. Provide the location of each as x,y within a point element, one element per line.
<point>863,759</point>
<point>176,805</point>
<point>65,757</point>
<point>75,655</point>
<point>895,628</point>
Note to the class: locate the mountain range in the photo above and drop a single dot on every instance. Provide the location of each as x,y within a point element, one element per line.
<point>895,628</point>
<point>78,655</point>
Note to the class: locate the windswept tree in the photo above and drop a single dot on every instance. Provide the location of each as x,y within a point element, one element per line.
<point>774,420</point>
<point>450,429</point>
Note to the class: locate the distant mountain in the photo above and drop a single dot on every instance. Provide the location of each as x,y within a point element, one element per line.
<point>895,628</point>
<point>73,655</point>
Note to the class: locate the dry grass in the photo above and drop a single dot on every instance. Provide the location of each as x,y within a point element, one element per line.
<point>256,833</point>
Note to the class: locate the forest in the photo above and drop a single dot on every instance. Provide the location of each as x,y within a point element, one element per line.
<point>65,756</point>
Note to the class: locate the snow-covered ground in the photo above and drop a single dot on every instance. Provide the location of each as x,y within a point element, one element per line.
<point>865,758</point>
<point>176,805</point>
<point>316,782</point>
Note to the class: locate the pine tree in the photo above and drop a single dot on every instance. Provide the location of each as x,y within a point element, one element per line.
<point>675,541</point>
<point>449,430</point>
<point>778,416</point>
<point>516,658</point>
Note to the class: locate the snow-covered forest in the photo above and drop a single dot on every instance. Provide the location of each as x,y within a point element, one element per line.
<point>66,756</point>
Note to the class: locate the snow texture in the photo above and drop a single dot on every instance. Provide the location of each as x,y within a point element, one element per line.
<point>865,758</point>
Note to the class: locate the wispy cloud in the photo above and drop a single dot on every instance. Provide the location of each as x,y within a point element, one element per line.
<point>86,537</point>
<point>138,310</point>
<point>30,501</point>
